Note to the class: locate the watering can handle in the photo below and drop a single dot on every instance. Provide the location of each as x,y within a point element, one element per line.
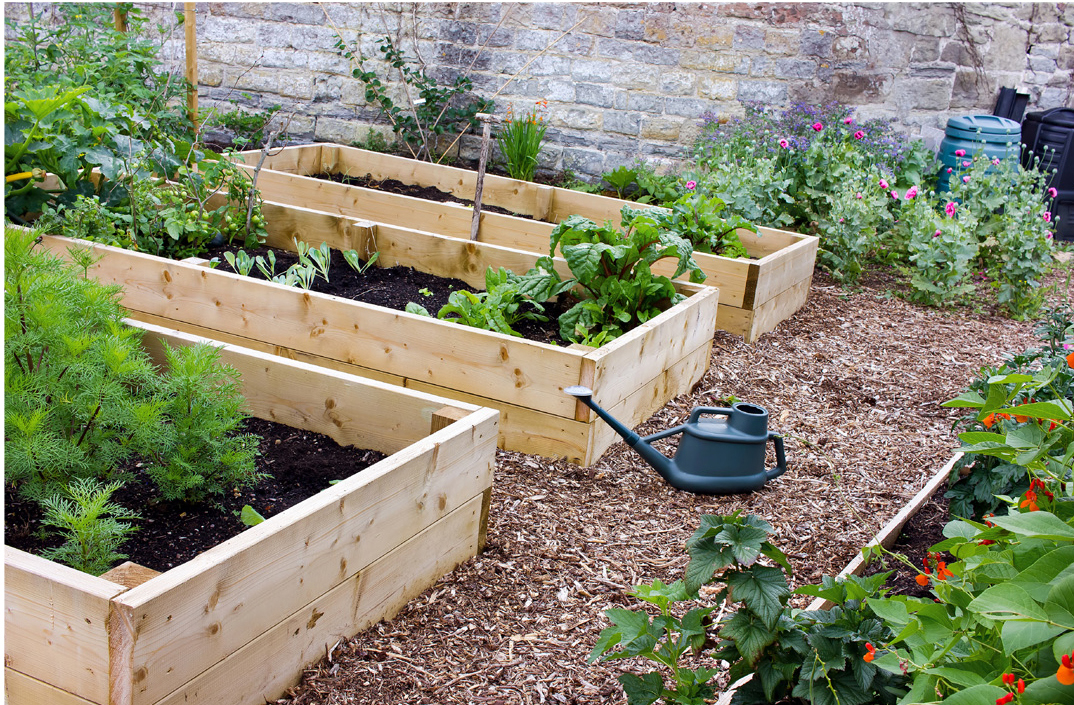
<point>781,457</point>
<point>713,410</point>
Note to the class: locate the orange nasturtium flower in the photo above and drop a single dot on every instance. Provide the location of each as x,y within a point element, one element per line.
<point>1065,672</point>
<point>871,652</point>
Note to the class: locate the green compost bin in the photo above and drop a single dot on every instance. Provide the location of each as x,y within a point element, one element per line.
<point>988,134</point>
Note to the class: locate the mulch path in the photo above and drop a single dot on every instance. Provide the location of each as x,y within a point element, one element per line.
<point>853,381</point>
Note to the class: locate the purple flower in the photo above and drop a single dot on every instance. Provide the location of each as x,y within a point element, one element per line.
<point>1052,193</point>
<point>1048,236</point>
<point>950,209</point>
<point>859,135</point>
<point>691,185</point>
<point>960,152</point>
<point>995,161</point>
<point>818,126</point>
<point>783,143</point>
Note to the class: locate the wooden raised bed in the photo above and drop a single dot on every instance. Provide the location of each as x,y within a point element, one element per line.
<point>755,294</point>
<point>632,376</point>
<point>238,623</point>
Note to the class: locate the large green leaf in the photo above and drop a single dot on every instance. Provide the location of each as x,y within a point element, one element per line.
<point>1038,578</point>
<point>644,690</point>
<point>1007,601</point>
<point>1048,690</point>
<point>1017,635</point>
<point>763,589</point>
<point>977,695</point>
<point>749,633</point>
<point>1059,410</point>
<point>1041,525</point>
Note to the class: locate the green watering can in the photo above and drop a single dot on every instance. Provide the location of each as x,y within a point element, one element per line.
<point>721,455</point>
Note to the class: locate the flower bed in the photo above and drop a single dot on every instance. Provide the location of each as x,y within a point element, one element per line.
<point>756,294</point>
<point>239,622</point>
<point>633,375</point>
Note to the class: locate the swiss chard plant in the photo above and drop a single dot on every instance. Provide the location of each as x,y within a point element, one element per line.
<point>701,219</point>
<point>617,289</point>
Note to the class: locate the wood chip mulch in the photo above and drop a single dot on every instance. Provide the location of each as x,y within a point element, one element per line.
<point>853,381</point>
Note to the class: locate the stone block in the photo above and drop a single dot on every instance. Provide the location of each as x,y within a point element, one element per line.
<point>723,62</point>
<point>550,66</point>
<point>683,31</point>
<point>295,84</point>
<point>970,91</point>
<point>553,15</point>
<point>272,34</point>
<point>628,25</point>
<point>335,130</point>
<point>655,26</point>
<point>1049,50</point>
<point>782,42</point>
<point>258,80</point>
<point>575,118</point>
<point>632,76</point>
<point>849,48</point>
<point>594,94</point>
<point>642,102</point>
<point>654,54</point>
<point>210,74</point>
<point>748,38</point>
<point>479,11</point>
<point>686,107</point>
<point>855,88</point>
<point>658,128</point>
<point>673,152</point>
<point>329,63</point>
<point>352,93</point>
<point>911,18</point>
<point>955,52</point>
<point>282,59</point>
<point>616,145</point>
<point>925,49</point>
<point>457,32</point>
<point>763,91</point>
<point>325,89</point>
<point>1053,97</point>
<point>717,88</point>
<point>678,83</point>
<point>583,161</point>
<point>1006,50</point>
<point>501,37</point>
<point>816,43</point>
<point>716,37</point>
<point>1049,33</point>
<point>559,90</point>
<point>935,70</point>
<point>533,40</point>
<point>590,71</point>
<point>226,29</point>
<point>614,49</point>
<point>925,93</point>
<point>622,122</point>
<point>795,68</point>
<point>761,66</point>
<point>294,12</point>
<point>315,38</point>
<point>1042,64</point>
<point>219,52</point>
<point>575,45</point>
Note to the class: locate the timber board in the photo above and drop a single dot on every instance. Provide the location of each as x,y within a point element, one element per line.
<point>21,688</point>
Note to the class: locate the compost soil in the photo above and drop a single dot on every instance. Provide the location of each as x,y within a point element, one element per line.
<point>854,383</point>
<point>394,288</point>
<point>429,193</point>
<point>299,464</point>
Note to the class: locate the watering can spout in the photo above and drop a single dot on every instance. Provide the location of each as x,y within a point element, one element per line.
<point>660,462</point>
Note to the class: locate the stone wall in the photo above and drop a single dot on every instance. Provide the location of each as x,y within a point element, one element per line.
<point>631,80</point>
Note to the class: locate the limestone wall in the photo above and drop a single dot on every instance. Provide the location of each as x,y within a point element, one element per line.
<point>631,80</point>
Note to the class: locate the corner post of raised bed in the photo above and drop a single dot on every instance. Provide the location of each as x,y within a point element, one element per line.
<point>361,235</point>
<point>445,416</point>
<point>486,139</point>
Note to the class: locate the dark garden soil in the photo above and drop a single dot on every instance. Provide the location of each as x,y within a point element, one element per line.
<point>853,381</point>
<point>394,288</point>
<point>299,464</point>
<point>429,193</point>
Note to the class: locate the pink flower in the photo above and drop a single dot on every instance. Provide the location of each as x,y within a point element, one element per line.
<point>948,170</point>
<point>857,195</point>
<point>950,209</point>
<point>995,161</point>
<point>966,165</point>
<point>936,234</point>
<point>818,126</point>
<point>1052,193</point>
<point>841,220</point>
<point>1048,236</point>
<point>895,195</point>
<point>859,135</point>
<point>960,152</point>
<point>883,184</point>
<point>965,179</point>
<point>783,143</point>
<point>911,192</point>
<point>847,120</point>
<point>691,185</point>
<point>1047,216</point>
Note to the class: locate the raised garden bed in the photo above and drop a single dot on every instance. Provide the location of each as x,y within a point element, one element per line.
<point>238,623</point>
<point>755,294</point>
<point>633,376</point>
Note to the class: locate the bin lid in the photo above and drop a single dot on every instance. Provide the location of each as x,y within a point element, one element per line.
<point>986,124</point>
<point>1059,116</point>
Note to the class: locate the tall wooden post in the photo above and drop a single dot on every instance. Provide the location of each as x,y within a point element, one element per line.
<point>119,20</point>
<point>482,163</point>
<point>191,62</point>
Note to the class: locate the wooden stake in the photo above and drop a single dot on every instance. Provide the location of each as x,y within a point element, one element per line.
<point>191,62</point>
<point>486,137</point>
<point>119,19</point>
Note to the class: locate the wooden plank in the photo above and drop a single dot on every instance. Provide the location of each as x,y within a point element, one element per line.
<point>130,574</point>
<point>526,430</point>
<point>776,310</point>
<point>677,379</point>
<point>445,416</point>
<point>887,535</point>
<point>730,276</point>
<point>351,410</point>
<point>21,689</point>
<point>733,319</point>
<point>653,347</point>
<point>522,371</point>
<point>55,624</point>
<point>197,614</point>
<point>768,241</point>
<point>785,268</point>
<point>264,668</point>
